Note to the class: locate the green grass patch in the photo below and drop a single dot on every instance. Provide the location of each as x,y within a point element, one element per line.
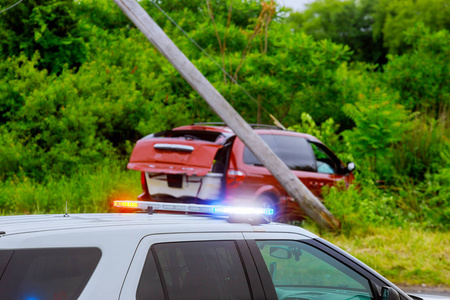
<point>404,256</point>
<point>88,190</point>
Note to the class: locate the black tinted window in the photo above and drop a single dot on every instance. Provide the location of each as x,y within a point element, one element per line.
<point>5,256</point>
<point>295,152</point>
<point>202,270</point>
<point>150,282</point>
<point>48,273</point>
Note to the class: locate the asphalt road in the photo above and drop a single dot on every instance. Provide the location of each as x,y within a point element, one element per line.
<point>432,297</point>
<point>428,293</point>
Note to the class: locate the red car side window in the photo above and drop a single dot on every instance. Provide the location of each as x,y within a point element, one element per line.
<point>295,152</point>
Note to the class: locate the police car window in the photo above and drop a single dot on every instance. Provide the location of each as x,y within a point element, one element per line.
<point>150,283</point>
<point>300,271</point>
<point>202,270</point>
<point>5,256</point>
<point>294,151</point>
<point>60,273</point>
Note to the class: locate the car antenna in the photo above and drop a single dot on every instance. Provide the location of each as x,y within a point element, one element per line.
<point>66,215</point>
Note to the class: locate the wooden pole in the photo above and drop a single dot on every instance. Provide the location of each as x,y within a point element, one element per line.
<point>312,207</point>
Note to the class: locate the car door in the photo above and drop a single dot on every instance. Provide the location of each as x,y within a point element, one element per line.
<point>192,266</point>
<point>313,163</point>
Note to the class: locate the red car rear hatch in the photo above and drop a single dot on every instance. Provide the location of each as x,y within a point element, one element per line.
<point>173,156</point>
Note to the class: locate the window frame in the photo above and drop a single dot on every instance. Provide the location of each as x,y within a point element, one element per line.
<point>340,168</point>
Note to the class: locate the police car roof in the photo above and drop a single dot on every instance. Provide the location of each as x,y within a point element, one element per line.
<point>156,223</point>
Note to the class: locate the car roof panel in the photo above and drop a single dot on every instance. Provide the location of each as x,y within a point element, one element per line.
<point>156,223</point>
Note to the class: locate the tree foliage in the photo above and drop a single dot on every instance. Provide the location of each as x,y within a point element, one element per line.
<point>49,27</point>
<point>394,18</point>
<point>346,22</point>
<point>371,28</point>
<point>423,76</point>
<point>79,84</point>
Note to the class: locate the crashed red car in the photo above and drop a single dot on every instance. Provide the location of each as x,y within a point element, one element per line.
<point>202,163</point>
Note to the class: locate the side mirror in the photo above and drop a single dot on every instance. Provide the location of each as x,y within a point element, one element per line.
<point>351,166</point>
<point>280,252</point>
<point>389,293</point>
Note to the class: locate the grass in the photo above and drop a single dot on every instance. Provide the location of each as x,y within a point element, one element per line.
<point>90,190</point>
<point>404,256</point>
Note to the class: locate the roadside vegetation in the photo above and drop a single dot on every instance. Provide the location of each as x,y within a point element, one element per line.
<point>79,85</point>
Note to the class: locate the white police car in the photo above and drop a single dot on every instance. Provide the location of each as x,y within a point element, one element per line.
<point>170,256</point>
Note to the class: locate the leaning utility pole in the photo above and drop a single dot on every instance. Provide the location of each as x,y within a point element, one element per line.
<point>293,186</point>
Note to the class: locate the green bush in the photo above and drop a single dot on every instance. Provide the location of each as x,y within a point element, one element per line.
<point>89,189</point>
<point>49,27</point>
<point>380,123</point>
<point>362,207</point>
<point>422,148</point>
<point>437,193</point>
<point>422,76</point>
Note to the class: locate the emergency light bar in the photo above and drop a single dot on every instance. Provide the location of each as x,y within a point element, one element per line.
<point>193,208</point>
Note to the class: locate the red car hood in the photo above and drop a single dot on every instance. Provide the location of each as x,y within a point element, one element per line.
<point>173,156</point>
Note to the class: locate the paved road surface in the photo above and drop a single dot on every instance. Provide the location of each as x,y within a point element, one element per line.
<point>431,297</point>
<point>428,293</point>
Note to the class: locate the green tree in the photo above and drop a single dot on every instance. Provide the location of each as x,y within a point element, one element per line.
<point>422,76</point>
<point>346,22</point>
<point>49,27</point>
<point>371,28</point>
<point>394,17</point>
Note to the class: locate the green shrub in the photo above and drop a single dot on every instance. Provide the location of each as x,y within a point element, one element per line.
<point>422,149</point>
<point>380,123</point>
<point>89,189</point>
<point>362,207</point>
<point>48,27</point>
<point>422,76</point>
<point>437,193</point>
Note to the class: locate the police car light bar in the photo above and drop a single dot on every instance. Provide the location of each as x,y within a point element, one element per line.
<point>193,208</point>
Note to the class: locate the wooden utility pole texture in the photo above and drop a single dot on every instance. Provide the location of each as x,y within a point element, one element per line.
<point>312,207</point>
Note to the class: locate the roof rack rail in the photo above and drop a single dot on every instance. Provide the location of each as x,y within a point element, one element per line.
<point>252,125</point>
<point>211,123</point>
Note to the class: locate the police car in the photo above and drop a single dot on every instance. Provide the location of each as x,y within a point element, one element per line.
<point>219,252</point>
